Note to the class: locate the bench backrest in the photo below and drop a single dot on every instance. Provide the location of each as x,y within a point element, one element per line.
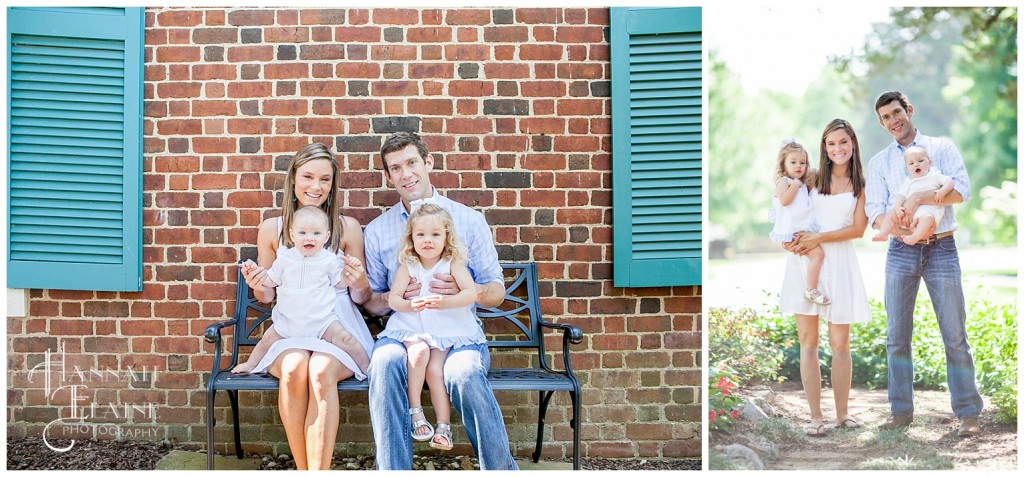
<point>513,324</point>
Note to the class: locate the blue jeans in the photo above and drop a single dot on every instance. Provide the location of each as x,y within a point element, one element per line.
<point>465,378</point>
<point>939,265</point>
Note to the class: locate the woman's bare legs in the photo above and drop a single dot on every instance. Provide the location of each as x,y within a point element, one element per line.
<point>419,356</point>
<point>842,369</point>
<point>323,410</point>
<point>292,369</point>
<point>810,372</point>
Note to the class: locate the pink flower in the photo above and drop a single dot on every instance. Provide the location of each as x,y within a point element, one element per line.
<point>712,416</point>
<point>735,414</point>
<point>725,392</point>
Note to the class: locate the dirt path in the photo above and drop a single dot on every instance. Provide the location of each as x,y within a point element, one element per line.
<point>930,441</point>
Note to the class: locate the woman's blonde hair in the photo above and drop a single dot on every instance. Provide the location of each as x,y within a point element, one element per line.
<point>331,207</point>
<point>453,248</point>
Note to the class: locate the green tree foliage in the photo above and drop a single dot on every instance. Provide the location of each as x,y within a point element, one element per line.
<point>959,68</point>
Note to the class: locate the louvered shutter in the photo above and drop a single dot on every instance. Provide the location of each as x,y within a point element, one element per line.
<point>656,146</point>
<point>75,148</point>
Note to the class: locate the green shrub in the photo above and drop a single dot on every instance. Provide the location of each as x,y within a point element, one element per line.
<point>991,330</point>
<point>735,341</point>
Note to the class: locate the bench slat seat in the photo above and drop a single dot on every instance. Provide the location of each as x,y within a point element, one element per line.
<point>518,324</point>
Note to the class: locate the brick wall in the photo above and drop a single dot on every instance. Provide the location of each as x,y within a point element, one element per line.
<point>515,105</point>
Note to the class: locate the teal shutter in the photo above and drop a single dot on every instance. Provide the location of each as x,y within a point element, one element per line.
<point>75,128</point>
<point>656,146</point>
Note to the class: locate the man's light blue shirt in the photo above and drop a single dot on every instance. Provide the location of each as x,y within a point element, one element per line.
<point>383,236</point>
<point>887,170</point>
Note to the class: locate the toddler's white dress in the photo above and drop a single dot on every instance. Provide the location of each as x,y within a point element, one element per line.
<point>440,329</point>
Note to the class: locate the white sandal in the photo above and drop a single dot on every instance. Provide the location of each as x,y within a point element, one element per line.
<point>817,297</point>
<point>418,424</point>
<point>444,430</point>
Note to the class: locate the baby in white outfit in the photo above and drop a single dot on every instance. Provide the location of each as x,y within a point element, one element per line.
<point>922,178</point>
<point>305,277</point>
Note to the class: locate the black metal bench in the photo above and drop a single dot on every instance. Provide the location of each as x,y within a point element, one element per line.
<point>516,323</point>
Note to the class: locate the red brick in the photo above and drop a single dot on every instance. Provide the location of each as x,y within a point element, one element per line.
<point>250,89</point>
<point>505,143</point>
<point>356,34</point>
<point>611,449</point>
<point>251,17</point>
<point>394,88</point>
<point>331,126</point>
<point>178,235</point>
<point>250,53</point>
<point>358,106</point>
<point>468,17</point>
<point>428,35</point>
<point>249,127</point>
<point>582,34</point>
<point>683,340</point>
<point>431,71</point>
<point>213,291</point>
<point>542,125</point>
<point>542,88</point>
<point>533,52</point>
<point>186,18</point>
<point>394,52</point>
<point>286,71</point>
<point>213,145</point>
<point>538,15</point>
<point>183,127</point>
<point>285,107</point>
<point>214,108</point>
<point>432,107</point>
<point>581,71</point>
<point>355,69</point>
<point>456,52</point>
<point>178,54</point>
<point>179,90</point>
<point>322,88</point>
<point>286,35</point>
<point>251,199</point>
<point>577,143</point>
<point>395,16</point>
<point>467,125</point>
<point>507,70</point>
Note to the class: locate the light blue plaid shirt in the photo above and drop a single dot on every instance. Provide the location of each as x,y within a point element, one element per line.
<point>887,170</point>
<point>384,234</point>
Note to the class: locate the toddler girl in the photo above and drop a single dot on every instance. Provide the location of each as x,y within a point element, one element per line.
<point>794,212</point>
<point>430,325</point>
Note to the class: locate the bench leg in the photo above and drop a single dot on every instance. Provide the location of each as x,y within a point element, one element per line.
<point>211,421</point>
<point>233,395</point>
<point>545,397</point>
<point>575,424</point>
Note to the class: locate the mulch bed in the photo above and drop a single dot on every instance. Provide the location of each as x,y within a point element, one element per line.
<point>30,453</point>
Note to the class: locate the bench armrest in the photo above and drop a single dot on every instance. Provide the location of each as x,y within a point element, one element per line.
<point>212,333</point>
<point>570,334</point>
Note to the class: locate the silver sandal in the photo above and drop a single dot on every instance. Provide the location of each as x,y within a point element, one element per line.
<point>444,430</point>
<point>418,424</point>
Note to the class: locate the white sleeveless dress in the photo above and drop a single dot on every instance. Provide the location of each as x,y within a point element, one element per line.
<point>346,312</point>
<point>840,277</point>
<point>440,329</point>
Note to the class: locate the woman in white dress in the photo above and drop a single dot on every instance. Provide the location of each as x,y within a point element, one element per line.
<point>838,201</point>
<point>308,397</point>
